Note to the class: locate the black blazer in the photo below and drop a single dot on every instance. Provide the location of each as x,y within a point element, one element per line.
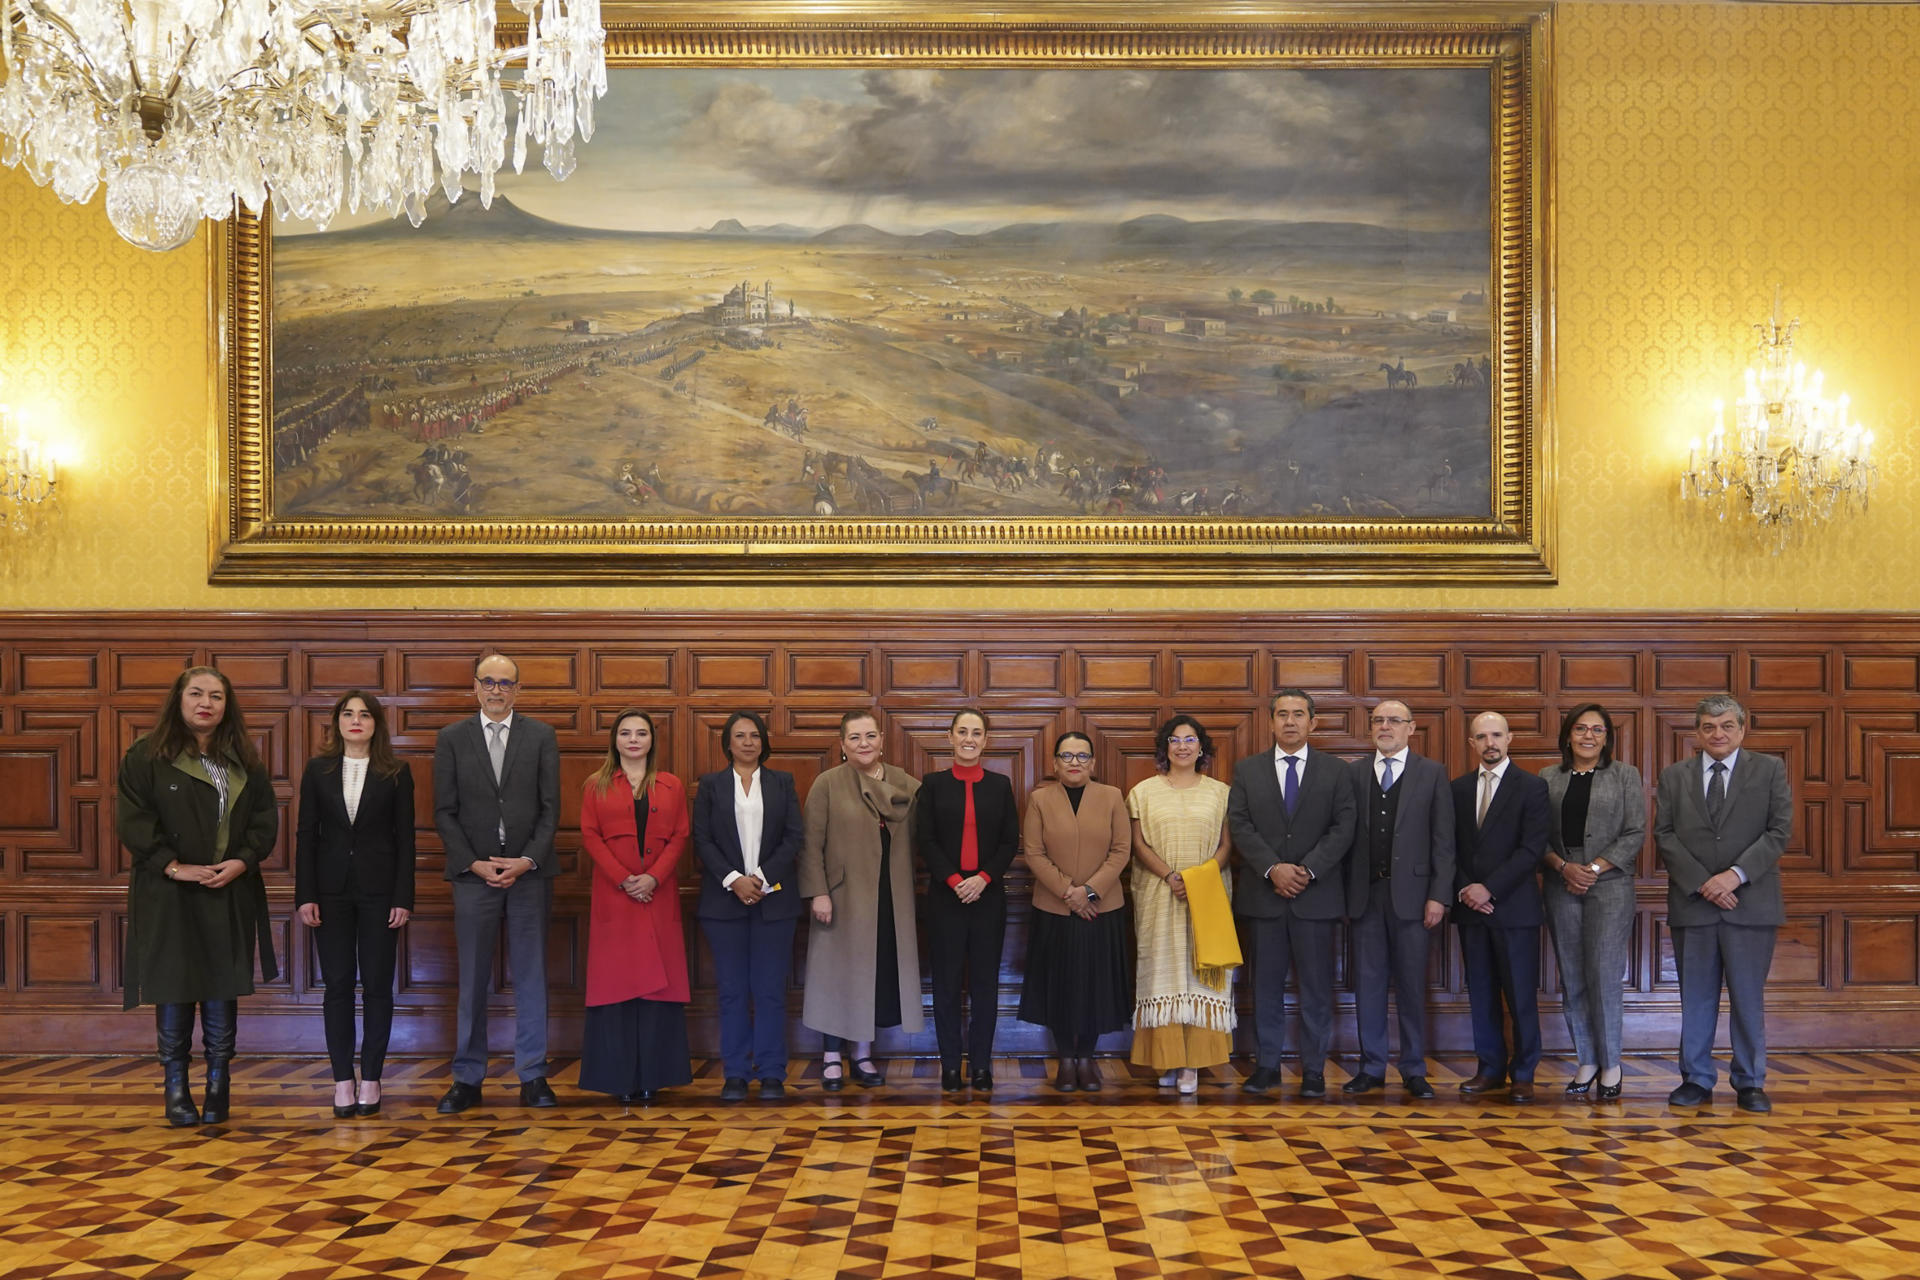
<point>1317,836</point>
<point>1504,852</point>
<point>716,839</point>
<point>369,857</point>
<point>940,818</point>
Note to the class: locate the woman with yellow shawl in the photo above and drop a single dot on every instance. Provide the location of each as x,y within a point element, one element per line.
<point>1183,1014</point>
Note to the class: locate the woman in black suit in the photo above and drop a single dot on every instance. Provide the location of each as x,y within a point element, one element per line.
<point>967,831</point>
<point>353,883</point>
<point>747,832</point>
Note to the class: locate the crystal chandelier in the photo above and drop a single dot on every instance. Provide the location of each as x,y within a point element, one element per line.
<point>1792,460</point>
<point>187,109</point>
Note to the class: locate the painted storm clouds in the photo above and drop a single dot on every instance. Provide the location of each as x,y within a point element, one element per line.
<point>778,294</point>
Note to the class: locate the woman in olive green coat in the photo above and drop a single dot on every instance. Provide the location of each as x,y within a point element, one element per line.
<point>196,812</point>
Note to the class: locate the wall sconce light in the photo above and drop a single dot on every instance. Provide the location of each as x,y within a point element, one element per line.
<point>28,472</point>
<point>1793,460</point>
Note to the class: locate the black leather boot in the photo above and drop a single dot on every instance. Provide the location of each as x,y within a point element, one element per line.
<point>217,1033</point>
<point>174,1022</point>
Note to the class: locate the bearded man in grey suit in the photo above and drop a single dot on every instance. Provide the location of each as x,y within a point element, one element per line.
<point>496,804</point>
<point>1399,881</point>
<point>1724,818</point>
<point>1292,816</point>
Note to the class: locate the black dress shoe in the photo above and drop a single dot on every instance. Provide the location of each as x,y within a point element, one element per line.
<point>1089,1076</point>
<point>1754,1100</point>
<point>1581,1086</point>
<point>838,1080</point>
<point>982,1081</point>
<point>1313,1084</point>
<point>367,1109</point>
<point>1417,1087</point>
<point>734,1090</point>
<point>1609,1092</point>
<point>1261,1080</point>
<point>771,1088</point>
<point>646,1096</point>
<point>537,1093</point>
<point>346,1112</point>
<point>868,1076</point>
<point>1522,1091</point>
<point>1363,1083</point>
<point>952,1082</point>
<point>458,1098</point>
<point>1480,1083</point>
<point>1689,1094</point>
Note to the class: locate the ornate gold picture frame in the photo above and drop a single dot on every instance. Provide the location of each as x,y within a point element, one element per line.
<point>1089,292</point>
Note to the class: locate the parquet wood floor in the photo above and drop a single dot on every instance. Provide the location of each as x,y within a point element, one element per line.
<point>901,1181</point>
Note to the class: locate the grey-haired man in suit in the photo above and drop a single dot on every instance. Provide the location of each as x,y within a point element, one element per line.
<point>1292,816</point>
<point>1399,881</point>
<point>1724,818</point>
<point>496,804</point>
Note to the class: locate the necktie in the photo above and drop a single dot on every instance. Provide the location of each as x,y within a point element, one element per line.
<point>1717,790</point>
<point>1290,791</point>
<point>497,747</point>
<point>1386,774</point>
<point>1486,797</point>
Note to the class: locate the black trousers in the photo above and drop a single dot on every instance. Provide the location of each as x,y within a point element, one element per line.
<point>963,950</point>
<point>353,934</point>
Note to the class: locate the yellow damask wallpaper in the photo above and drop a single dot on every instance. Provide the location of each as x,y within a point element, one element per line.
<point>1704,153</point>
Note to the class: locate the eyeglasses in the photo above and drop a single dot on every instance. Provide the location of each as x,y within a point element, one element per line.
<point>1188,741</point>
<point>1589,731</point>
<point>496,686</point>
<point>1380,720</point>
<point>1075,757</point>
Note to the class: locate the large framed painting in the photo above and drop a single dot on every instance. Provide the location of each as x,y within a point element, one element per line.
<point>1090,292</point>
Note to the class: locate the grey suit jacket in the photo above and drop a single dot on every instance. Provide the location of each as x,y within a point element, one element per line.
<point>1317,837</point>
<point>1616,814</point>
<point>469,807</point>
<point>1422,838</point>
<point>1753,830</point>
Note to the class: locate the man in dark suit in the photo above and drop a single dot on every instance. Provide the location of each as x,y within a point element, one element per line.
<point>1724,818</point>
<point>1292,817</point>
<point>1399,878</point>
<point>1500,822</point>
<point>496,804</point>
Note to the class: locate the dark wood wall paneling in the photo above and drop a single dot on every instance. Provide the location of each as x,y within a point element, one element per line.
<point>1837,696</point>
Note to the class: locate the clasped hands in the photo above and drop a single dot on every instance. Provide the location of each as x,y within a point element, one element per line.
<point>1476,897</point>
<point>1576,876</point>
<point>216,875</point>
<point>749,889</point>
<point>1078,903</point>
<point>1289,879</point>
<point>1722,890</point>
<point>640,887</point>
<point>501,872</point>
<point>970,889</point>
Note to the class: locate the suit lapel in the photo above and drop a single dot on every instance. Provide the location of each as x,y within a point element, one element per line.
<point>1272,795</point>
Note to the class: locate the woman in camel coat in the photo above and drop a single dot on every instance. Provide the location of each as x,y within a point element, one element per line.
<point>856,872</point>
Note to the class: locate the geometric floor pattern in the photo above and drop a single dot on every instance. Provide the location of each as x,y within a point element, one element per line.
<point>901,1181</point>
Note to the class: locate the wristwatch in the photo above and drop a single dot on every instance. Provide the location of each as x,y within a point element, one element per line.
<point>1091,895</point>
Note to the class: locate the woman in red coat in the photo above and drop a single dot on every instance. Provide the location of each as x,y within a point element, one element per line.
<point>633,823</point>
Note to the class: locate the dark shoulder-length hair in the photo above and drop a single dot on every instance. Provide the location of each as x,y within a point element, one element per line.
<point>171,737</point>
<point>611,767</point>
<point>1166,731</point>
<point>726,736</point>
<point>380,750</point>
<point>1566,734</point>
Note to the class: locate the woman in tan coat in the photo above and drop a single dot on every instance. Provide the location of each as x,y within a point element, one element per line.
<point>1076,840</point>
<point>856,870</point>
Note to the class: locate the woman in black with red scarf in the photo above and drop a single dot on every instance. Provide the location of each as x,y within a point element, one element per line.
<point>967,831</point>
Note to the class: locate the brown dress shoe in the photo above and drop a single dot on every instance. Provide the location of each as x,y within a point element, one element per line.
<point>1522,1091</point>
<point>1481,1083</point>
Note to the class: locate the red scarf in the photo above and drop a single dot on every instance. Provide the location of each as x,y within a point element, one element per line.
<point>970,830</point>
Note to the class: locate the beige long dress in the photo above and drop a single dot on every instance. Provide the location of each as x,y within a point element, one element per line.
<point>1178,1021</point>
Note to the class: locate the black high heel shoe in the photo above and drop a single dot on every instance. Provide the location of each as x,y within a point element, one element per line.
<point>1611,1092</point>
<point>1580,1087</point>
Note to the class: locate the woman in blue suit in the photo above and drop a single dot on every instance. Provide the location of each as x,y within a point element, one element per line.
<point>747,831</point>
